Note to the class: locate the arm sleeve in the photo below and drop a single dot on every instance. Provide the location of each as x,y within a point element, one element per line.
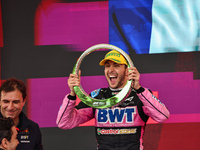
<point>153,106</point>
<point>69,117</point>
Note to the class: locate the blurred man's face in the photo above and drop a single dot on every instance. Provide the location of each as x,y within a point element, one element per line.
<point>11,104</point>
<point>116,74</point>
<point>12,144</point>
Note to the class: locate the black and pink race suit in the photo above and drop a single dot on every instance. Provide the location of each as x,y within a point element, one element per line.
<point>117,128</point>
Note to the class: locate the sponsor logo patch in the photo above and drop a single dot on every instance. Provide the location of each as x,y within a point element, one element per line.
<point>157,100</point>
<point>24,137</point>
<point>116,115</point>
<point>24,131</point>
<point>25,141</point>
<point>116,131</point>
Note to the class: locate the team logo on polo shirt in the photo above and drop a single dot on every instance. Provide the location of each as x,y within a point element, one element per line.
<point>24,136</point>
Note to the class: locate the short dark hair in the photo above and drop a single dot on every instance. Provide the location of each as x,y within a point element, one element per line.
<point>13,84</point>
<point>6,125</point>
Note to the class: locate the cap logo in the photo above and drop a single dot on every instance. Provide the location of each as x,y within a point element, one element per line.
<point>113,54</point>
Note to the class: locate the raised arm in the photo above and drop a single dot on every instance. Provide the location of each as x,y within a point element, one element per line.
<point>152,106</point>
<point>69,116</point>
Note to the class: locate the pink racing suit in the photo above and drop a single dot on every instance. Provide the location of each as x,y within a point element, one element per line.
<point>117,128</point>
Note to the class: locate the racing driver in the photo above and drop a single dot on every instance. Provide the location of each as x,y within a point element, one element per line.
<point>120,127</point>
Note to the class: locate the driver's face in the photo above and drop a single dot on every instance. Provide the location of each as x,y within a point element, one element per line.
<point>116,74</point>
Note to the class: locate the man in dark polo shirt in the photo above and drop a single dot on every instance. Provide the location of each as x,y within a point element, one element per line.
<point>12,99</point>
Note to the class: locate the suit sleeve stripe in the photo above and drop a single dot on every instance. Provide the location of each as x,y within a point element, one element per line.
<point>63,112</point>
<point>154,106</point>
